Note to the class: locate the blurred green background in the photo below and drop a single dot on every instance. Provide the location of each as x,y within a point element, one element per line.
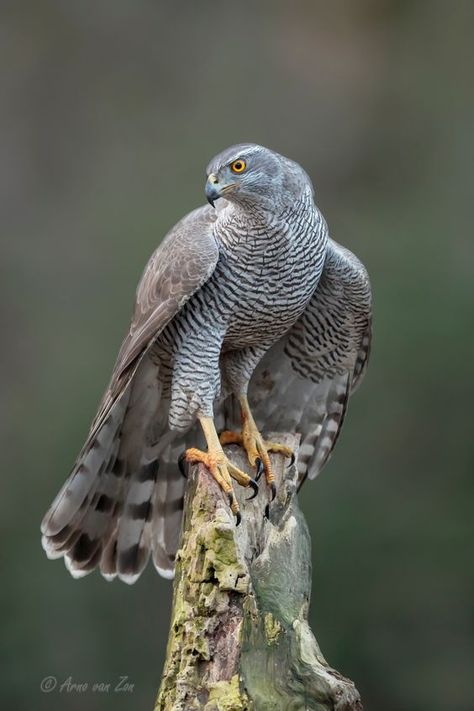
<point>110,112</point>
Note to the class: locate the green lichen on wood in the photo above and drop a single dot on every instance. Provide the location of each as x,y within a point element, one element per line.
<point>273,628</point>
<point>209,576</point>
<point>227,696</point>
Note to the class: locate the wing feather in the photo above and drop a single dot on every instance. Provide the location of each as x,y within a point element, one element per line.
<point>181,264</point>
<point>85,520</point>
<point>304,381</point>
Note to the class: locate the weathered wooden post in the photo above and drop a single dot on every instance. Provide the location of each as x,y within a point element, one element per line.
<point>239,636</point>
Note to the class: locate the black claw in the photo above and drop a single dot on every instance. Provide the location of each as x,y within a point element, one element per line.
<point>273,490</point>
<point>238,515</point>
<point>182,465</point>
<point>267,512</point>
<point>292,460</point>
<point>260,468</point>
<point>254,486</point>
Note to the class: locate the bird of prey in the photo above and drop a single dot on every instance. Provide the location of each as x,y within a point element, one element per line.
<point>245,300</point>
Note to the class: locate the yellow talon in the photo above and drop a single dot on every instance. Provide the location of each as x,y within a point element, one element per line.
<point>220,467</point>
<point>256,447</point>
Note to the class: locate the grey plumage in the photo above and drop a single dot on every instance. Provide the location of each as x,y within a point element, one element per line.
<point>255,285</point>
<point>315,367</point>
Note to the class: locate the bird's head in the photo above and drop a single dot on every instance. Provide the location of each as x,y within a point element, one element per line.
<point>254,175</point>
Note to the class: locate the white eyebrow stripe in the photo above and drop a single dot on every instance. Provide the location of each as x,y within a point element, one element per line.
<point>246,152</point>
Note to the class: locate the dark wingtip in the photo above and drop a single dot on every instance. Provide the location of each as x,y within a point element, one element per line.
<point>292,460</point>
<point>238,518</point>
<point>267,512</point>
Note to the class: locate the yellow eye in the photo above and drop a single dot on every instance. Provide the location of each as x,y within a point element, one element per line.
<point>238,166</point>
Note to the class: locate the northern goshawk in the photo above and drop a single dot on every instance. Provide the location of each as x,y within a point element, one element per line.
<point>251,291</point>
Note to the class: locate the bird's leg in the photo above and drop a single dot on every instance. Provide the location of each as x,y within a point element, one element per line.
<point>219,466</point>
<point>256,447</point>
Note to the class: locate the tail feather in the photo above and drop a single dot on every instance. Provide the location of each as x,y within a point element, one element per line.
<point>97,524</point>
<point>168,512</point>
<point>98,454</point>
<point>124,497</point>
<point>108,562</point>
<point>70,524</point>
<point>325,415</point>
<point>133,548</point>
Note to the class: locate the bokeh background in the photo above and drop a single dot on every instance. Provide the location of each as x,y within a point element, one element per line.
<point>109,113</point>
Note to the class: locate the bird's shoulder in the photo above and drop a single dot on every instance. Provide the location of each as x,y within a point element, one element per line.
<point>179,266</point>
<point>189,244</point>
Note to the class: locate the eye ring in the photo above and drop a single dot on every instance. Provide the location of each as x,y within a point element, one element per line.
<point>238,166</point>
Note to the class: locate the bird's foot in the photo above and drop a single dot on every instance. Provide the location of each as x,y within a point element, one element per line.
<point>223,472</point>
<point>257,448</point>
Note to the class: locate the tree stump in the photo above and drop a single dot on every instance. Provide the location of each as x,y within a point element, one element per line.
<point>239,638</point>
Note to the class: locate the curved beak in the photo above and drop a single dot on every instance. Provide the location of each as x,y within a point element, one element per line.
<point>216,189</point>
<point>212,188</point>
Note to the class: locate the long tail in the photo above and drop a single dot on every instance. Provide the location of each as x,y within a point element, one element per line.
<point>124,497</point>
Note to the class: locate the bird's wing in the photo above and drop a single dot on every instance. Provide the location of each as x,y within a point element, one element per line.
<point>304,381</point>
<point>103,512</point>
<point>181,264</point>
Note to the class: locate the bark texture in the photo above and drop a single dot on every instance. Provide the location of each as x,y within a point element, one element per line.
<point>239,637</point>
